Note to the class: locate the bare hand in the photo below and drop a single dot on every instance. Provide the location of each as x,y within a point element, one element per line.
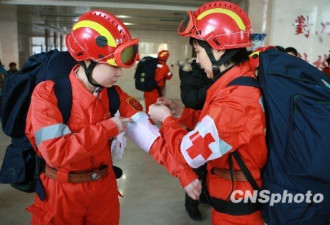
<point>121,123</point>
<point>176,109</point>
<point>159,112</point>
<point>194,189</point>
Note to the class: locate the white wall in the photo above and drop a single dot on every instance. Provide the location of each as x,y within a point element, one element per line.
<point>8,35</point>
<point>260,14</point>
<point>283,31</point>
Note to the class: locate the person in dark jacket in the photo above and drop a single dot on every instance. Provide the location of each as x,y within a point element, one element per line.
<point>12,68</point>
<point>193,86</point>
<point>291,51</point>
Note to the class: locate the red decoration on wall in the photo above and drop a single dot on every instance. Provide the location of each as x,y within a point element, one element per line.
<point>321,63</point>
<point>302,25</point>
<point>304,56</point>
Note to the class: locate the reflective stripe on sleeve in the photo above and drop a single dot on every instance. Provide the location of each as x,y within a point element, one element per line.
<point>51,132</point>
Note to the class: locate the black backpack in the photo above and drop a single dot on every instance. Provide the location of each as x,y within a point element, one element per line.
<point>145,74</point>
<point>296,98</point>
<point>21,165</point>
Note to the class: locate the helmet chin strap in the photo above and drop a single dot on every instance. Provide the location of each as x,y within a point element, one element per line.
<point>89,71</point>
<point>217,63</point>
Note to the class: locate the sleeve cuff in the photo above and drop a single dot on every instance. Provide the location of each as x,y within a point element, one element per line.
<point>187,176</point>
<point>185,115</point>
<point>110,127</point>
<point>170,122</point>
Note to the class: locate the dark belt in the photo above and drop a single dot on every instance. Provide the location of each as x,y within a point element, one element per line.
<point>79,176</point>
<point>238,175</point>
<point>236,209</point>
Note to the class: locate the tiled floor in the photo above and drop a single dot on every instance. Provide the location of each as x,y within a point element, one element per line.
<point>151,196</point>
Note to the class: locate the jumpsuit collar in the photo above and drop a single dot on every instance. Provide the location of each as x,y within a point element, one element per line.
<point>230,74</point>
<point>85,97</point>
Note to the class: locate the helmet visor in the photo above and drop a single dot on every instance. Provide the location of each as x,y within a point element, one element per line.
<point>127,54</point>
<point>186,24</point>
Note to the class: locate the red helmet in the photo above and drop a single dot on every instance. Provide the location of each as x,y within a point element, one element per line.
<point>101,37</point>
<point>223,25</point>
<point>163,55</point>
<point>254,56</point>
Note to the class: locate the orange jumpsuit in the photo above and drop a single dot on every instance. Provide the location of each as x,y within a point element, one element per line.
<point>83,144</point>
<point>162,73</point>
<point>232,118</point>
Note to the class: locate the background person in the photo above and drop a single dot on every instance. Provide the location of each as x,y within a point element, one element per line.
<point>162,74</point>
<point>193,86</point>
<point>12,68</point>
<point>291,51</point>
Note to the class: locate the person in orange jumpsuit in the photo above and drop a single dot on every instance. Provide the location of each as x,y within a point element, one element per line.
<point>230,128</point>
<point>78,180</point>
<point>162,74</point>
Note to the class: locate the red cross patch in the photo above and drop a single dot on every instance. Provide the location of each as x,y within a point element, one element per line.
<point>200,145</point>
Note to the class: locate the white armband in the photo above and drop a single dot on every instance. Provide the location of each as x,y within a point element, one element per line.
<point>203,144</point>
<point>142,131</point>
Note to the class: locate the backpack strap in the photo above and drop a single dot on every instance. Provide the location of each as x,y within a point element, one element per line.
<point>245,170</point>
<point>252,82</point>
<point>63,92</point>
<point>58,68</point>
<point>245,81</point>
<point>114,100</point>
<point>243,207</point>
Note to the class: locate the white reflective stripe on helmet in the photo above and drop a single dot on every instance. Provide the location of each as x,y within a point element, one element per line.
<point>51,132</point>
<point>203,144</point>
<point>142,131</point>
